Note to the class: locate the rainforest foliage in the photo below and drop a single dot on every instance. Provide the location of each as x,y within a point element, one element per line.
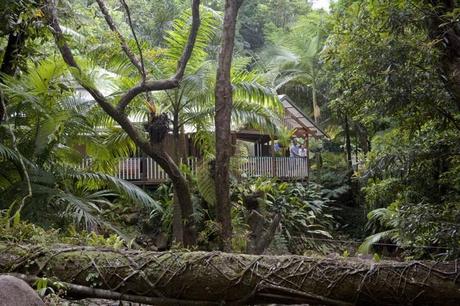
<point>379,77</point>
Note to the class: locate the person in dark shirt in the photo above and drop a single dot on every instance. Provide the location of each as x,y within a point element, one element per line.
<point>293,153</point>
<point>294,150</point>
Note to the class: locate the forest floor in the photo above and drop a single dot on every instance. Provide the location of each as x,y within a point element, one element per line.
<point>55,300</point>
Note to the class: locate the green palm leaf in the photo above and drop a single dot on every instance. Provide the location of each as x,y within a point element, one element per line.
<point>7,153</point>
<point>366,246</point>
<point>176,39</point>
<point>128,189</point>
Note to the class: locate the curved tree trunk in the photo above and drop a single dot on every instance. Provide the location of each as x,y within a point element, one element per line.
<point>181,192</point>
<point>216,278</point>
<point>155,151</point>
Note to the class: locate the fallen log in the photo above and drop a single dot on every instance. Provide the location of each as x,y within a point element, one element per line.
<point>203,278</point>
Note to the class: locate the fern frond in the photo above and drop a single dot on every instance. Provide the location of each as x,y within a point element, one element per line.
<point>7,153</point>
<point>205,183</point>
<point>365,247</point>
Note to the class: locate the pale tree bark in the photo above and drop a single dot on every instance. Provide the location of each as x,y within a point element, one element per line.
<point>224,104</point>
<point>154,150</point>
<point>201,278</point>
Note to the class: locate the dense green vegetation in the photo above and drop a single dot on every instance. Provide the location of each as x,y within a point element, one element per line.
<point>375,75</point>
<point>383,68</point>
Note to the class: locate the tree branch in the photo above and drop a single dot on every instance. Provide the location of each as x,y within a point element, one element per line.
<point>141,55</point>
<point>51,13</point>
<point>124,45</point>
<point>181,65</point>
<point>191,41</point>
<point>146,87</point>
<point>80,291</point>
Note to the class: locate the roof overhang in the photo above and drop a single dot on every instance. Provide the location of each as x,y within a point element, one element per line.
<point>295,118</point>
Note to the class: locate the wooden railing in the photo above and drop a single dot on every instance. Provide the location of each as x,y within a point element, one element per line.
<point>145,169</point>
<point>282,167</point>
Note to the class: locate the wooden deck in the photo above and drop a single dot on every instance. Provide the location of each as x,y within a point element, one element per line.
<point>144,170</point>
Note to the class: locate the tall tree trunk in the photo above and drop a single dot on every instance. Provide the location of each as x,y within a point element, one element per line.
<point>177,223</point>
<point>348,143</point>
<point>184,200</point>
<point>224,103</point>
<point>363,138</point>
<point>316,109</point>
<point>16,43</point>
<point>201,278</point>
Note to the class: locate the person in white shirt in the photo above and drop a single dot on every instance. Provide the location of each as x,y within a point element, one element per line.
<point>303,151</point>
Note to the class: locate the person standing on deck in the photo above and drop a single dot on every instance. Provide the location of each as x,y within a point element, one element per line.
<point>294,153</point>
<point>303,151</point>
<point>277,147</point>
<point>294,150</point>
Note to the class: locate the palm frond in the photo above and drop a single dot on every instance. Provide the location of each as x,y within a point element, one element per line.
<point>176,38</point>
<point>366,246</point>
<point>10,154</point>
<point>253,92</point>
<point>131,191</point>
<point>81,209</point>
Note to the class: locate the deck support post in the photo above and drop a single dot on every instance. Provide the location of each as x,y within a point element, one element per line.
<point>143,168</point>
<point>307,146</point>
<point>273,156</point>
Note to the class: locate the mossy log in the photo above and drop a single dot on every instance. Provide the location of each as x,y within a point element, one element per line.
<point>204,278</point>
